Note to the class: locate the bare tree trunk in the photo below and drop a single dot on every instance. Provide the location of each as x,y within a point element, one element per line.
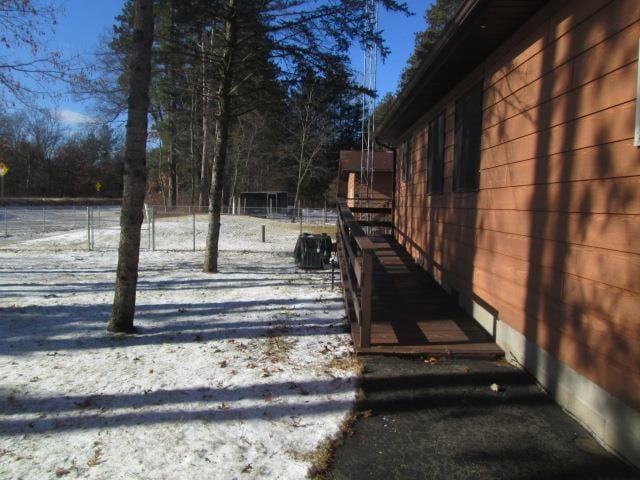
<point>296,199</point>
<point>234,180</point>
<point>135,171</point>
<point>173,161</point>
<point>301,170</point>
<point>205,173</point>
<point>192,147</point>
<point>222,139</point>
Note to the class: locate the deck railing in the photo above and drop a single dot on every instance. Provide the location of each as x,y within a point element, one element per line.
<point>356,254</point>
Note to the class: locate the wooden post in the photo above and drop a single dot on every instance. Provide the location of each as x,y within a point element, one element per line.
<point>152,213</point>
<point>263,233</point>
<point>366,298</point>
<point>89,228</point>
<point>93,228</point>
<point>325,210</point>
<point>193,220</point>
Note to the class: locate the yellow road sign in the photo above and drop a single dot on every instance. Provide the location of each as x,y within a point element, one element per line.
<point>98,186</point>
<point>3,169</point>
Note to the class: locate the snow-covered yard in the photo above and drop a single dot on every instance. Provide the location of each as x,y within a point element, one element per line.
<point>240,374</point>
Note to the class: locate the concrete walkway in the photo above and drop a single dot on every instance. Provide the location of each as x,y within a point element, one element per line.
<point>443,421</point>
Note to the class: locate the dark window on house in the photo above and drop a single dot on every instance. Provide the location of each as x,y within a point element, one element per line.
<point>406,160</point>
<point>468,129</point>
<point>435,154</point>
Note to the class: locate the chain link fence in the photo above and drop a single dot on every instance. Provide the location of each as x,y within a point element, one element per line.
<point>98,227</point>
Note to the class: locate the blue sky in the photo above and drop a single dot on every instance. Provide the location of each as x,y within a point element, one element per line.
<point>399,33</point>
<point>82,23</point>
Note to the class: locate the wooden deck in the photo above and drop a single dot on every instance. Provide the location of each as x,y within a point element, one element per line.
<point>412,314</point>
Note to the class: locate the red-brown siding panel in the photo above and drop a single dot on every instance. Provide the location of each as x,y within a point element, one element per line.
<point>551,240</point>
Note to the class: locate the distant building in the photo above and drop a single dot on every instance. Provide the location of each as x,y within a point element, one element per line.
<point>261,203</point>
<point>350,186</point>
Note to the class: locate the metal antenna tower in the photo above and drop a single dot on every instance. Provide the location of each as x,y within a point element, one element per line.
<point>369,71</point>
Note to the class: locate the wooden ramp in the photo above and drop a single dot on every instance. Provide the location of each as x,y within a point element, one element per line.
<point>412,314</point>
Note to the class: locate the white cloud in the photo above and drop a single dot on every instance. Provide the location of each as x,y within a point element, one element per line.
<point>71,117</point>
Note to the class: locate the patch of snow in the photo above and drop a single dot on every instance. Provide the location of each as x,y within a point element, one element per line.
<point>237,233</point>
<point>233,375</point>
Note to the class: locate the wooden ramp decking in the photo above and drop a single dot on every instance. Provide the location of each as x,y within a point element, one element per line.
<point>412,314</point>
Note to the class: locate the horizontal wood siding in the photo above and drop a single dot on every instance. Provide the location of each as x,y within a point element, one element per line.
<point>551,241</point>
<point>382,183</point>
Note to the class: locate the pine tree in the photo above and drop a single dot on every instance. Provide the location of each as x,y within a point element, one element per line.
<point>437,17</point>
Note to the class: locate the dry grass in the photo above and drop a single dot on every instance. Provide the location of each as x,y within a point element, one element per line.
<point>321,457</point>
<point>278,345</point>
<point>348,362</point>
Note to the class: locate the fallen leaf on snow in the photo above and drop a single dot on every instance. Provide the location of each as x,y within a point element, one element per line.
<point>97,458</point>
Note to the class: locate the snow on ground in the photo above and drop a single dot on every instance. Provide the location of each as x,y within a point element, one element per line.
<point>67,229</point>
<point>239,374</point>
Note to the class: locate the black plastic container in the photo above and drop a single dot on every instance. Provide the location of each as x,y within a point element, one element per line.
<point>313,251</point>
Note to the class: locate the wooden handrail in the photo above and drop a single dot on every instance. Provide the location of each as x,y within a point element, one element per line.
<point>356,252</point>
<point>355,230</point>
<point>384,210</point>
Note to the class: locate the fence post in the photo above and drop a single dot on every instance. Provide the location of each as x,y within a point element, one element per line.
<point>325,210</point>
<point>244,209</point>
<point>6,223</point>
<point>89,228</point>
<point>365,298</point>
<point>300,214</point>
<point>193,220</point>
<point>263,233</point>
<point>149,228</point>
<point>43,221</point>
<point>153,228</point>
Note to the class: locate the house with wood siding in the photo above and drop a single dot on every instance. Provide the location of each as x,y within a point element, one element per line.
<point>517,188</point>
<point>351,186</point>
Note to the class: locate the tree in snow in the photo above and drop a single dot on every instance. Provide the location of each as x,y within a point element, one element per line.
<point>135,171</point>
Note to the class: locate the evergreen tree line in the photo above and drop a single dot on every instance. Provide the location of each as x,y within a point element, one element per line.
<point>290,105</point>
<point>46,160</point>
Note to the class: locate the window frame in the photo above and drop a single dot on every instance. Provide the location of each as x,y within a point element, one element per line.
<point>406,159</point>
<point>468,139</point>
<point>437,126</point>
<point>636,136</point>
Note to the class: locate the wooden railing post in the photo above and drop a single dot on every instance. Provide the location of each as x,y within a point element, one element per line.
<point>366,298</point>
